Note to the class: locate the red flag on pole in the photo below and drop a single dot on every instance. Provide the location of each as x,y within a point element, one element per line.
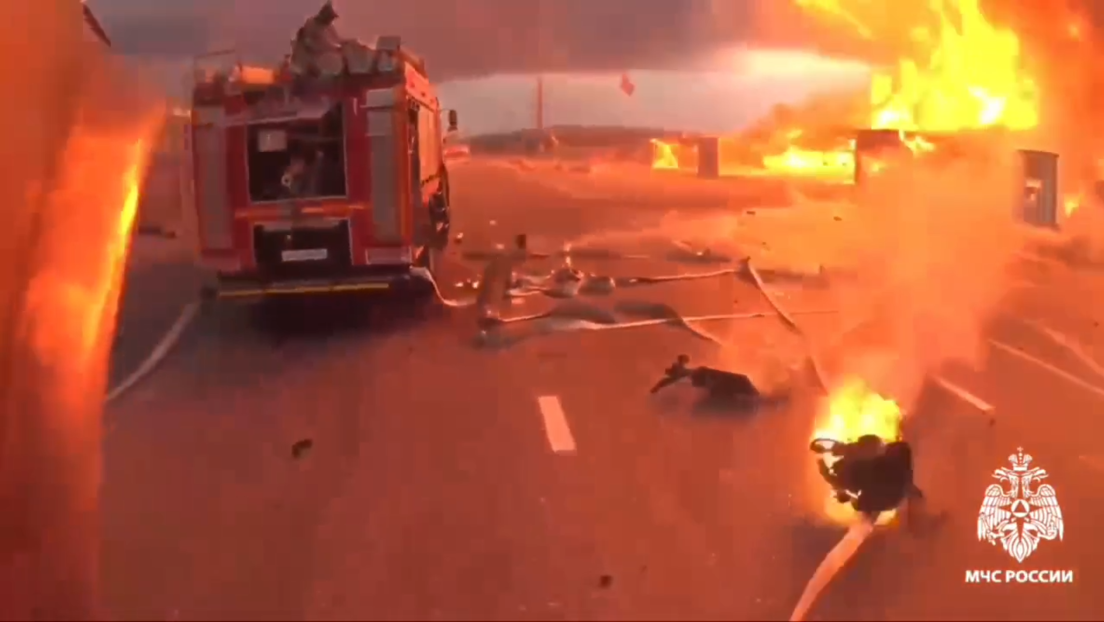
<point>627,86</point>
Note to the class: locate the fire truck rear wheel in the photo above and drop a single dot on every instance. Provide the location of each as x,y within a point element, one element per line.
<point>440,212</point>
<point>429,259</point>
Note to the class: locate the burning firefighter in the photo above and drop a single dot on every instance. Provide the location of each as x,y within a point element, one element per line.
<point>861,453</point>
<point>870,474</point>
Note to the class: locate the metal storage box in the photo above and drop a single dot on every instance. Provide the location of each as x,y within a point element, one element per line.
<point>1040,191</point>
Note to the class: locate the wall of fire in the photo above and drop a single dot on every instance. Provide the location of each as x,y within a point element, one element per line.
<point>160,209</point>
<point>1040,199</point>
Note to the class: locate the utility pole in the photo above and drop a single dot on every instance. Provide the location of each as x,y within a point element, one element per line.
<point>541,24</point>
<point>540,103</point>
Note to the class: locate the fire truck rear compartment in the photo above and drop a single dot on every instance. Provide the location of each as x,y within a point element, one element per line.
<point>302,158</point>
<point>307,259</point>
<point>313,252</point>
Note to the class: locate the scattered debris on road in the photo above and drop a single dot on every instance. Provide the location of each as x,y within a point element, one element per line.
<point>684,252</point>
<point>469,284</point>
<point>503,282</point>
<point>301,448</point>
<point>500,333</point>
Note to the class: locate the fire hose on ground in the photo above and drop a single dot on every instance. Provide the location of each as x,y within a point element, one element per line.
<point>160,351</point>
<point>564,318</point>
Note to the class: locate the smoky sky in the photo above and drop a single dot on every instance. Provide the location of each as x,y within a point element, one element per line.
<point>470,38</point>
<point>459,38</point>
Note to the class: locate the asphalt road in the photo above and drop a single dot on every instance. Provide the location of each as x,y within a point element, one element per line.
<point>434,488</point>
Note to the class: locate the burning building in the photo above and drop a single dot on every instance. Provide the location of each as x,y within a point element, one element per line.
<point>958,77</point>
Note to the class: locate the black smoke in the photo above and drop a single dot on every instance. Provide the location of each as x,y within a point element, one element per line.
<point>462,38</point>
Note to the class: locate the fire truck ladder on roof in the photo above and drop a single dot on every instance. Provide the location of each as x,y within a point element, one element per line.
<point>225,71</point>
<point>220,62</point>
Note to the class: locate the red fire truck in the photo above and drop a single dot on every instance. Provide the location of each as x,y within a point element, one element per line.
<point>318,185</point>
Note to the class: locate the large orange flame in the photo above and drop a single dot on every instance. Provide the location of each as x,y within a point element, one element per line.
<point>955,71</point>
<point>88,295</point>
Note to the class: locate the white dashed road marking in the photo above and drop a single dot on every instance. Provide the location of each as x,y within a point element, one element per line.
<point>964,395</point>
<point>556,429</point>
<point>1070,345</point>
<point>1064,375</point>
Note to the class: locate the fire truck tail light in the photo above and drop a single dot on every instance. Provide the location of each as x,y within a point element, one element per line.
<point>383,175</point>
<point>209,145</point>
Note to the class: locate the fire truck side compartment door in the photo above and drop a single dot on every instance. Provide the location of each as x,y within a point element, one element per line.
<point>384,171</point>
<point>211,185</point>
<point>186,178</point>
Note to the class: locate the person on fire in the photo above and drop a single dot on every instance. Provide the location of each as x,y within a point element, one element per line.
<point>872,475</point>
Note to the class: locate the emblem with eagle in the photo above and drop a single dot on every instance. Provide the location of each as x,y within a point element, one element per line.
<point>1020,511</point>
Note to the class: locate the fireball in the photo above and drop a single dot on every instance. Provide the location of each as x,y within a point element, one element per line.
<point>838,164</point>
<point>854,410</point>
<point>954,71</point>
<point>1071,203</point>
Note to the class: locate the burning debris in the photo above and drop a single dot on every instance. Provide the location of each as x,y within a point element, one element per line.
<point>301,448</point>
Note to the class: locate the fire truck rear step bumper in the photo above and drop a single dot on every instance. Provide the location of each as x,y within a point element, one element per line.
<point>239,289</point>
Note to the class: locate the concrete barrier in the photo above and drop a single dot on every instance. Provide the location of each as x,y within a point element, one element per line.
<point>1040,194</point>
<point>709,157</point>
